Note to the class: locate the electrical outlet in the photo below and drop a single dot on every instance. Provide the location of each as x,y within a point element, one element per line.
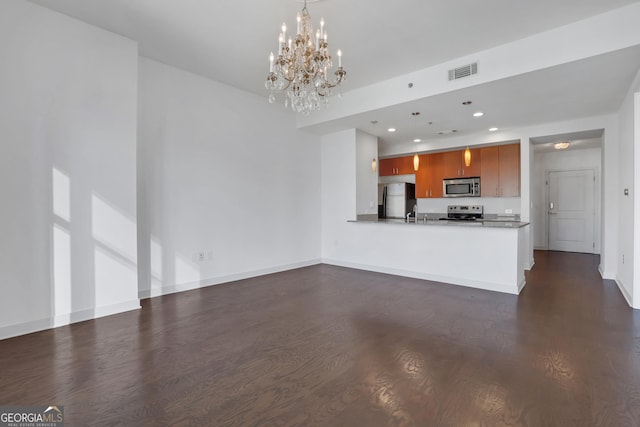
<point>202,255</point>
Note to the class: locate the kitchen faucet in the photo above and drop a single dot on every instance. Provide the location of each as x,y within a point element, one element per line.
<point>415,211</point>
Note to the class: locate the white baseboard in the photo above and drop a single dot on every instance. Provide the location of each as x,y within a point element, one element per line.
<point>608,275</point>
<point>66,319</point>
<point>624,292</point>
<point>94,313</point>
<point>521,285</point>
<point>203,283</point>
<point>489,286</point>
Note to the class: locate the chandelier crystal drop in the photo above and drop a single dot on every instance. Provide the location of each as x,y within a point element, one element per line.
<point>301,70</point>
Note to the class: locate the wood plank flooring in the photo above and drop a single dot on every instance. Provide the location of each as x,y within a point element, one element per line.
<point>330,346</point>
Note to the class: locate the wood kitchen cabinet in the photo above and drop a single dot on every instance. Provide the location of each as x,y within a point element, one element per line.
<point>422,177</point>
<point>500,172</point>
<point>498,168</point>
<point>405,165</point>
<point>454,166</point>
<point>510,170</point>
<point>386,167</point>
<point>490,172</point>
<point>430,175</point>
<point>436,165</point>
<point>396,166</point>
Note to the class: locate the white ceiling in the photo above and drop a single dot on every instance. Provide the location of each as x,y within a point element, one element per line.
<point>586,88</point>
<point>578,140</point>
<point>229,41</point>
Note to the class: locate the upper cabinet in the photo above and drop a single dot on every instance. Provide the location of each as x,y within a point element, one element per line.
<point>498,168</point>
<point>510,170</point>
<point>490,171</point>
<point>455,167</point>
<point>500,171</point>
<point>430,175</point>
<point>396,166</point>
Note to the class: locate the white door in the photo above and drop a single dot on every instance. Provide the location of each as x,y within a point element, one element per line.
<point>571,211</point>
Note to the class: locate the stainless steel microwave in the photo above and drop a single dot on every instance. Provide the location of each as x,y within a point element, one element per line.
<point>461,187</point>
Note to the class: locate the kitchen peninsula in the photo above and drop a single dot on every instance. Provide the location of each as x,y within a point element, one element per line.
<point>463,246</point>
<point>487,254</point>
<point>490,256</point>
<point>424,220</point>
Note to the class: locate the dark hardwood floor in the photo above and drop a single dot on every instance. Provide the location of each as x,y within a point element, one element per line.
<point>330,346</point>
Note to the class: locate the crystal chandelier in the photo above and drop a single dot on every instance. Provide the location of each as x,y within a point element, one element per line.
<point>301,70</point>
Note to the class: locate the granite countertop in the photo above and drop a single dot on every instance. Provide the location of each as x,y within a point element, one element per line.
<point>490,222</point>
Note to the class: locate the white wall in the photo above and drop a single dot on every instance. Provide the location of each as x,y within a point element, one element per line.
<point>636,184</point>
<point>338,185</point>
<point>68,170</point>
<point>572,159</point>
<point>223,172</point>
<point>366,179</point>
<point>629,136</point>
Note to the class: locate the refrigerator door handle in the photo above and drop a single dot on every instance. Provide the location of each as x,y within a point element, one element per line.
<point>384,202</point>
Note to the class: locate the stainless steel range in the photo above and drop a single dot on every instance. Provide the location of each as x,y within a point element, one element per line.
<point>464,213</point>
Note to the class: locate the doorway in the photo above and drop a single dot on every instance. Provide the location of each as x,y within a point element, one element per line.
<point>566,170</point>
<point>571,210</point>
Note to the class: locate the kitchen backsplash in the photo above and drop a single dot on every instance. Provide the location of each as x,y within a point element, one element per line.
<point>492,205</point>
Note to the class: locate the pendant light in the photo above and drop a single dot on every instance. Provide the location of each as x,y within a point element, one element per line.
<point>374,165</point>
<point>467,157</point>
<point>416,159</point>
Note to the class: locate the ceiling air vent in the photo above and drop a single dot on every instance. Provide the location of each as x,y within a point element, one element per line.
<point>464,71</point>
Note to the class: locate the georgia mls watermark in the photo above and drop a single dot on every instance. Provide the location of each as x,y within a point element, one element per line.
<point>32,416</point>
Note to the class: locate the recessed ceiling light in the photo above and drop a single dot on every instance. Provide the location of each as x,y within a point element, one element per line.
<point>391,129</point>
<point>417,140</point>
<point>478,114</point>
<point>466,103</point>
<point>561,145</point>
<point>493,129</point>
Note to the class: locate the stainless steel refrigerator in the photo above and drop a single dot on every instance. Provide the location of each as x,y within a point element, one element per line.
<point>396,200</point>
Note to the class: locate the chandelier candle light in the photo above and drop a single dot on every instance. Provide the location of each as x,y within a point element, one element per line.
<point>301,68</point>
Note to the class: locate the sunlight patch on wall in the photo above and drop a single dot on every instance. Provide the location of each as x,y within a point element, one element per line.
<point>114,277</point>
<point>61,195</point>
<point>61,271</point>
<point>113,229</point>
<point>156,263</point>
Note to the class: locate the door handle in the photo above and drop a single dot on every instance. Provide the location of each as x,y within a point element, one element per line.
<point>553,213</point>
